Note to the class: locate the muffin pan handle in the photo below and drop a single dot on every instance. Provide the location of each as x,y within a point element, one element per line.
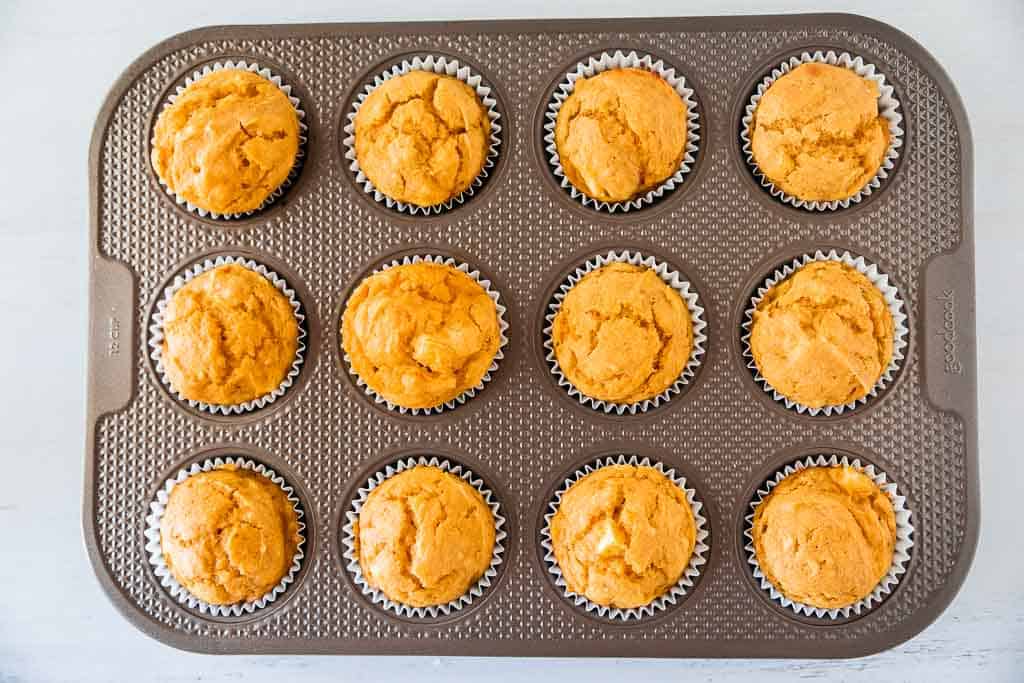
<point>112,336</point>
<point>947,331</point>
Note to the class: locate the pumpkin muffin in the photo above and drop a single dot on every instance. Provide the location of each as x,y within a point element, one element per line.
<point>621,133</point>
<point>424,537</point>
<point>622,335</point>
<point>420,334</point>
<point>623,535</point>
<point>422,138</point>
<point>825,536</point>
<point>228,535</point>
<point>817,134</point>
<point>227,142</point>
<point>230,336</point>
<point>823,336</point>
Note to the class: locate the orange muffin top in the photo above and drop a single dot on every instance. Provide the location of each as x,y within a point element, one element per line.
<point>621,133</point>
<point>424,537</point>
<point>823,336</point>
<point>622,334</point>
<point>825,536</point>
<point>817,133</point>
<point>228,535</point>
<point>420,334</point>
<point>229,337</point>
<point>227,142</point>
<point>422,138</point>
<point>623,535</point>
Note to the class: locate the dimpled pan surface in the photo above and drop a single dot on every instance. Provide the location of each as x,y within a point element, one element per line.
<point>522,433</point>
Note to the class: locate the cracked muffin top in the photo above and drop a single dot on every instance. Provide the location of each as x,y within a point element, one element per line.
<point>227,142</point>
<point>623,535</point>
<point>817,134</point>
<point>621,133</point>
<point>420,334</point>
<point>823,336</point>
<point>228,535</point>
<point>422,138</point>
<point>229,337</point>
<point>424,537</point>
<point>825,536</point>
<point>622,334</point>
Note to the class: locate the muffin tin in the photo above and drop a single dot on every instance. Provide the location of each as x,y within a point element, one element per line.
<point>523,434</point>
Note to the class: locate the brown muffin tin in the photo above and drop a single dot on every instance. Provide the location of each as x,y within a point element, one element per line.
<point>522,433</point>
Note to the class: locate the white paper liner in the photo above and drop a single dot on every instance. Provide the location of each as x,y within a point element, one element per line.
<point>901,552</point>
<point>439,65</point>
<point>617,60</point>
<point>888,108</point>
<point>676,592</point>
<point>376,596</point>
<point>156,334</point>
<point>299,155</point>
<point>155,552</point>
<point>892,300</point>
<point>476,276</point>
<point>670,277</point>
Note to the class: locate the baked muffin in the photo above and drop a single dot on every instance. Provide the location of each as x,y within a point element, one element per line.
<point>621,133</point>
<point>230,336</point>
<point>623,535</point>
<point>622,334</point>
<point>227,142</point>
<point>823,336</point>
<point>420,334</point>
<point>816,132</point>
<point>228,535</point>
<point>422,138</point>
<point>825,536</point>
<point>424,537</point>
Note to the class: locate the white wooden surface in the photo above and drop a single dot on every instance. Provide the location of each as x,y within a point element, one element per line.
<point>56,63</point>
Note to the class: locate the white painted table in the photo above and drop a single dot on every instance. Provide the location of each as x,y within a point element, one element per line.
<point>56,63</point>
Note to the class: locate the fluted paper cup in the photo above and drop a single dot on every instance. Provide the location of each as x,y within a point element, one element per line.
<point>888,108</point>
<point>350,545</point>
<point>163,573</point>
<point>901,552</point>
<point>677,591</point>
<point>274,78</point>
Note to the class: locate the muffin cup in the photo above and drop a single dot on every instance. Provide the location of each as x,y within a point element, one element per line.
<point>498,356</point>
<point>439,65</point>
<point>351,554</point>
<point>617,60</point>
<point>901,552</point>
<point>888,108</point>
<point>299,155</point>
<point>163,572</point>
<point>676,592</point>
<point>156,335</point>
<point>881,283</point>
<point>670,277</point>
